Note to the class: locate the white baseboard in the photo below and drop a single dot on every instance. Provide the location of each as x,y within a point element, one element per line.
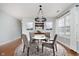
<point>3,43</point>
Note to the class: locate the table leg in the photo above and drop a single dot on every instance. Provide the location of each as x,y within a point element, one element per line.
<point>39,43</point>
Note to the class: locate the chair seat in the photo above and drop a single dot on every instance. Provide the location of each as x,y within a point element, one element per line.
<point>50,45</point>
<point>34,44</point>
<point>28,44</point>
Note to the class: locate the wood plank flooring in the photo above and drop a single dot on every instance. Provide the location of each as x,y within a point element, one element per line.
<point>69,51</point>
<point>9,49</point>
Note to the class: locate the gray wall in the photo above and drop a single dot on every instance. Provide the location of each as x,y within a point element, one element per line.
<point>10,27</point>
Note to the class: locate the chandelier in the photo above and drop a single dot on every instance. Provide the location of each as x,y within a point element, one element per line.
<point>40,16</point>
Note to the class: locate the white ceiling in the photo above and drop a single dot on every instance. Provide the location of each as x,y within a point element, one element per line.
<point>20,10</point>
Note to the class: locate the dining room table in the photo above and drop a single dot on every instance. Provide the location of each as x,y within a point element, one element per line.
<point>39,38</point>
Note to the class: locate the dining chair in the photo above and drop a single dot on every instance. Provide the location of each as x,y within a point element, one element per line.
<point>27,44</point>
<point>50,45</point>
<point>32,41</point>
<point>47,35</point>
<point>31,34</point>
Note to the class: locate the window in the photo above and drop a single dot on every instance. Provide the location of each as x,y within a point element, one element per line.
<point>29,25</point>
<point>60,26</point>
<point>63,26</point>
<point>67,26</point>
<point>48,25</point>
<point>61,22</point>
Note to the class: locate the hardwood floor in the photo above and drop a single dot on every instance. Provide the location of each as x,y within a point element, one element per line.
<point>9,48</point>
<point>69,51</point>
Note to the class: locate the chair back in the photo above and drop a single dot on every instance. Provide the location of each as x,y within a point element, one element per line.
<point>25,40</point>
<point>47,34</point>
<point>55,37</point>
<point>31,34</point>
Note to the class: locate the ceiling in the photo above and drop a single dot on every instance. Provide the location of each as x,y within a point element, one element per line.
<point>21,10</point>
